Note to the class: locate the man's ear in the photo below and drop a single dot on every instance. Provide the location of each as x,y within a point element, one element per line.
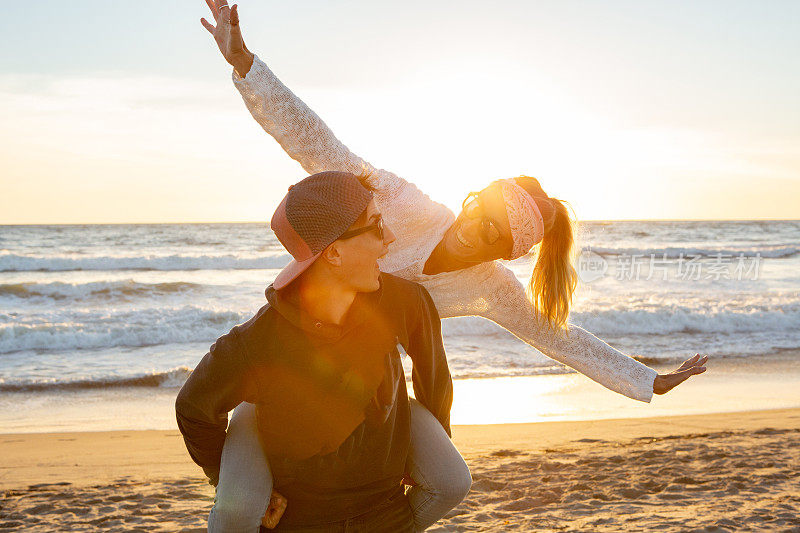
<point>332,255</point>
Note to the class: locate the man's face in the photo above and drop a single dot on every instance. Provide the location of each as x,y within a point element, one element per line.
<point>360,254</point>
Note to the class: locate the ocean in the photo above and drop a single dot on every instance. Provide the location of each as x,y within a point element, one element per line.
<point>121,310</point>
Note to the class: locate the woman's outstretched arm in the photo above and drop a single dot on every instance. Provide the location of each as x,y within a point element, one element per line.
<point>299,131</point>
<point>580,349</point>
<point>308,140</point>
<point>494,292</point>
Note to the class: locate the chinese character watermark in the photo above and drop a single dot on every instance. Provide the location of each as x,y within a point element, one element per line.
<point>592,266</point>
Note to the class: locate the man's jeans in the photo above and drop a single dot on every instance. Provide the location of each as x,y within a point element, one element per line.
<point>245,480</point>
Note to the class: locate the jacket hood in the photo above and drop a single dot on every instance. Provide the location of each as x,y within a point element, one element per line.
<point>286,303</point>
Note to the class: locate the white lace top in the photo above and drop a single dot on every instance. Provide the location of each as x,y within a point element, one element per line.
<point>489,290</point>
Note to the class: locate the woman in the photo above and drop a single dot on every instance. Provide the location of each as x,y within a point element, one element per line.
<point>455,258</point>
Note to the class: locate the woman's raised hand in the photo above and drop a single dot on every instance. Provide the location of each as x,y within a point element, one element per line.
<point>228,35</point>
<point>691,367</point>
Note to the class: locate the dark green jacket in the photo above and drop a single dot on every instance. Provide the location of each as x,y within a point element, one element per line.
<point>331,401</point>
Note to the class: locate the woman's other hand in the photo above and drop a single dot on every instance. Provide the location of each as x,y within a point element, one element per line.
<point>228,35</point>
<point>666,382</point>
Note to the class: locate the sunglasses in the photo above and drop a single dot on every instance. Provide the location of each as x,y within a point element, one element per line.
<point>473,209</point>
<point>377,227</point>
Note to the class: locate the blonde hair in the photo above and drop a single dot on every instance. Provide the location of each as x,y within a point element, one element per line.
<point>554,278</point>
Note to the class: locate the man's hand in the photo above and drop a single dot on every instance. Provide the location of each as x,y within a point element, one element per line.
<point>666,382</point>
<point>277,505</point>
<point>228,35</point>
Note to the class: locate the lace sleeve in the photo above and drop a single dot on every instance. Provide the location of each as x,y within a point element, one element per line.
<point>298,129</point>
<point>507,305</point>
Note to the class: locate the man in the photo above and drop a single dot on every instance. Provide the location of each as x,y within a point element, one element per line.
<point>322,365</point>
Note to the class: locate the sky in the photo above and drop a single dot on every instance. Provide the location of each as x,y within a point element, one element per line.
<point>118,112</point>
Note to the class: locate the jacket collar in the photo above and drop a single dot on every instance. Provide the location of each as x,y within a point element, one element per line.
<point>364,306</point>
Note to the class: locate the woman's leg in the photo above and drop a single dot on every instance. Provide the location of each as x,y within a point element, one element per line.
<point>442,476</point>
<point>245,480</point>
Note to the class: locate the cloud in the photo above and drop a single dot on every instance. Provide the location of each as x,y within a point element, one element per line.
<point>448,133</point>
<point>116,116</point>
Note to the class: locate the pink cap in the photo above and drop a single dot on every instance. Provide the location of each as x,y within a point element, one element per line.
<point>313,214</point>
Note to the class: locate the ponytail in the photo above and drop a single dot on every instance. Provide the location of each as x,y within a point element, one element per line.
<point>554,278</point>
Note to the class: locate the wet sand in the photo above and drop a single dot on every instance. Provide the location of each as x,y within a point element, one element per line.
<point>718,472</point>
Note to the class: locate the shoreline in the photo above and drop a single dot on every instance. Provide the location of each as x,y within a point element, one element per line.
<point>729,385</point>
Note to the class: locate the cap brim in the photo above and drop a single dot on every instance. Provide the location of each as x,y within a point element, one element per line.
<point>291,271</point>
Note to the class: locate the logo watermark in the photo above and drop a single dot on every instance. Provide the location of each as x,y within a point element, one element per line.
<point>592,266</point>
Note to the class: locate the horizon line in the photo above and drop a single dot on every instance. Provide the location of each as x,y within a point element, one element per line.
<point>265,222</point>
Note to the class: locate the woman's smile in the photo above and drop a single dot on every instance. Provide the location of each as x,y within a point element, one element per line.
<point>461,239</point>
<point>460,246</point>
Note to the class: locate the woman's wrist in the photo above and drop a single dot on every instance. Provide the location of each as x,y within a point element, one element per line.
<point>658,385</point>
<point>243,63</point>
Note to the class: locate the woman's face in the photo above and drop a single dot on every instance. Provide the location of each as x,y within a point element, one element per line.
<point>481,231</point>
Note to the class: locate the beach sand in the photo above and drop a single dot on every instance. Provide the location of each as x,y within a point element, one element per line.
<point>715,472</point>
